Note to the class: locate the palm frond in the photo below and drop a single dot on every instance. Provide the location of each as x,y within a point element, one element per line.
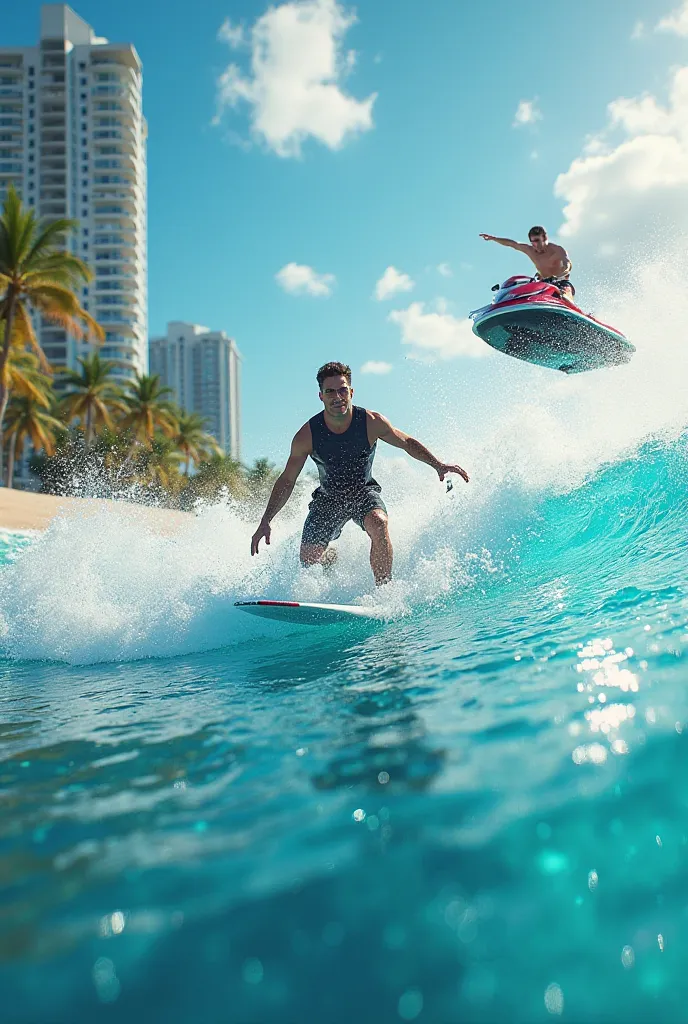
<point>50,236</point>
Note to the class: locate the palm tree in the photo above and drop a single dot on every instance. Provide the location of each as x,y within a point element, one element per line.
<point>23,374</point>
<point>93,395</point>
<point>218,474</point>
<point>36,273</point>
<point>261,476</point>
<point>159,464</point>
<point>28,418</point>
<point>192,440</point>
<point>147,409</point>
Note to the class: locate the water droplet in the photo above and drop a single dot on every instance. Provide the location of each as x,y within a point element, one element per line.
<point>658,840</point>
<point>552,862</point>
<point>660,942</point>
<point>627,957</point>
<point>117,922</point>
<point>410,1004</point>
<point>105,980</point>
<point>359,814</point>
<point>593,880</point>
<point>554,999</point>
<point>383,778</point>
<point>252,971</point>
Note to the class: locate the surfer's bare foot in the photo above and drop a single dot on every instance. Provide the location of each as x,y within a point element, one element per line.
<point>383,581</point>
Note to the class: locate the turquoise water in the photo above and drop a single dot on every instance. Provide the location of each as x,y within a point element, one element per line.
<point>474,809</point>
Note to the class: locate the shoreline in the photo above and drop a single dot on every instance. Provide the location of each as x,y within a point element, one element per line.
<point>27,512</point>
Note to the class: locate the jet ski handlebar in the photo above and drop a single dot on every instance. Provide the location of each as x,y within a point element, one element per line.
<point>517,280</point>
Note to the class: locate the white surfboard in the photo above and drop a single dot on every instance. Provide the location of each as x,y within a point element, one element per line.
<point>305,611</point>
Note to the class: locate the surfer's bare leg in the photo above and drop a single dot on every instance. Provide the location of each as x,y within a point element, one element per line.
<point>312,554</point>
<point>381,554</point>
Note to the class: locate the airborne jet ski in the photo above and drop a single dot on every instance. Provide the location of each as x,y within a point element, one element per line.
<point>530,320</point>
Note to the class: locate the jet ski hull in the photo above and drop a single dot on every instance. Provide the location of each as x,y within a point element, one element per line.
<point>551,333</point>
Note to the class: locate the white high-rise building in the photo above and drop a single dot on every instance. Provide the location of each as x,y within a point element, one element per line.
<point>203,368</point>
<point>73,141</point>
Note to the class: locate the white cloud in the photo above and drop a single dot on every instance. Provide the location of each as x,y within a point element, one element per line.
<point>231,34</point>
<point>391,282</point>
<point>638,30</point>
<point>376,367</point>
<point>527,112</point>
<point>676,22</point>
<point>436,335</point>
<point>633,177</point>
<point>445,270</point>
<point>293,90</point>
<point>298,279</point>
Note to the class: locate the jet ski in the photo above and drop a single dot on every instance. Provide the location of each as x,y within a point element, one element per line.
<point>529,319</point>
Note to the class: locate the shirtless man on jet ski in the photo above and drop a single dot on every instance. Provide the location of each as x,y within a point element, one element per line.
<point>551,261</point>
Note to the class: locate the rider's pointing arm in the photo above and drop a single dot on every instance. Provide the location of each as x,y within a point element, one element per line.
<point>380,427</point>
<point>509,242</point>
<point>284,484</point>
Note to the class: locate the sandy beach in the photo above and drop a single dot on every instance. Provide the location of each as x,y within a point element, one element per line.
<point>25,510</point>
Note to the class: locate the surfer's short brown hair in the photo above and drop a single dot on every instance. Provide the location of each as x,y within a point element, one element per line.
<point>537,230</point>
<point>333,370</point>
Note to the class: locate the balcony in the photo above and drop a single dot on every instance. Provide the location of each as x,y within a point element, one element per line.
<point>53,94</point>
<point>110,64</point>
<point>107,240</point>
<point>115,318</point>
<point>120,90</point>
<point>113,274</point>
<point>125,206</point>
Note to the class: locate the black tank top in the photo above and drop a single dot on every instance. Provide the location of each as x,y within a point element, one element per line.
<point>344,461</point>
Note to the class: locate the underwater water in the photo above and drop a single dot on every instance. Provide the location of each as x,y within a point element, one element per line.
<point>473,808</point>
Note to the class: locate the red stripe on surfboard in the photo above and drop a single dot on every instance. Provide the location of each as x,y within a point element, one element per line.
<point>281,604</point>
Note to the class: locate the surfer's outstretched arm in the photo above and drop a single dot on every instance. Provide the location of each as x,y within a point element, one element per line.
<point>380,427</point>
<point>284,485</point>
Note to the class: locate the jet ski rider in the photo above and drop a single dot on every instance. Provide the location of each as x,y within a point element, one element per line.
<point>551,261</point>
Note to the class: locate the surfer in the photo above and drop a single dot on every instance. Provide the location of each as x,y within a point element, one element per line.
<point>551,261</point>
<point>341,440</point>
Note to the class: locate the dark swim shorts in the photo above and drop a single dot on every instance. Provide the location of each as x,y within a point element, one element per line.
<point>559,281</point>
<point>328,515</point>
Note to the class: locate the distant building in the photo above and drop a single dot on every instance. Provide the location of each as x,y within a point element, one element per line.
<point>73,142</point>
<point>203,368</point>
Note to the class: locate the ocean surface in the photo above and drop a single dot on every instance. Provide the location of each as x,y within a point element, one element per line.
<point>472,809</point>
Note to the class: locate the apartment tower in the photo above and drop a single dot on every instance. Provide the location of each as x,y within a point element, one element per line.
<point>73,142</point>
<point>203,368</point>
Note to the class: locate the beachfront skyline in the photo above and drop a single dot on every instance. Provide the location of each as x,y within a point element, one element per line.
<point>318,180</point>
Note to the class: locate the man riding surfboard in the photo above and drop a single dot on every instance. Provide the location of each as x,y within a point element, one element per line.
<point>342,440</point>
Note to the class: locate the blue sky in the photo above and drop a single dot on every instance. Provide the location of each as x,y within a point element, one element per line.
<point>431,161</point>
